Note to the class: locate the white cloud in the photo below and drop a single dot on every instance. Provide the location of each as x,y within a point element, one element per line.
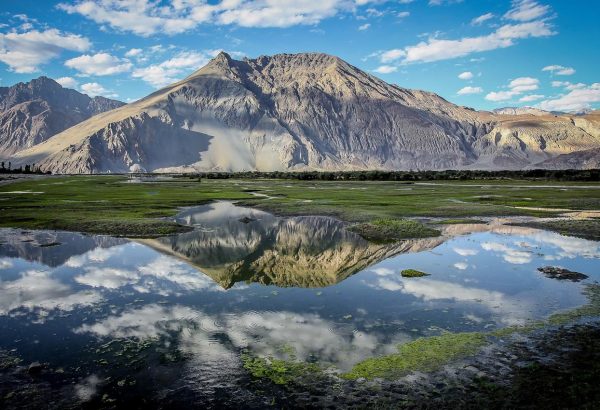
<point>482,19</point>
<point>25,52</point>
<point>134,52</point>
<point>435,49</point>
<point>461,265</point>
<point>526,10</point>
<point>521,84</point>
<point>559,70</point>
<point>532,97</point>
<point>467,75</point>
<point>577,99</point>
<point>516,87</point>
<point>364,27</point>
<point>67,82</point>
<point>99,64</point>
<point>499,96</point>
<point>94,89</point>
<point>147,17</point>
<point>386,69</point>
<point>469,90</point>
<point>403,14</point>
<point>172,70</point>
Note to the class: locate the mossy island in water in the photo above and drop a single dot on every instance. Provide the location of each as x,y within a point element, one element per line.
<point>413,273</point>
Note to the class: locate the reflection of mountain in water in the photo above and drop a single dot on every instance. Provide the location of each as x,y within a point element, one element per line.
<point>51,248</point>
<point>307,251</point>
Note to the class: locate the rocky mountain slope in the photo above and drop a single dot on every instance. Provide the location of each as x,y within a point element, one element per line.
<point>520,111</point>
<point>303,111</point>
<point>32,112</point>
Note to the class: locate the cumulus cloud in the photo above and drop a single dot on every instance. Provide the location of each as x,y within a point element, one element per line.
<point>467,75</point>
<point>67,82</point>
<point>386,69</point>
<point>99,64</point>
<point>147,17</point>
<point>25,52</point>
<point>515,87</point>
<point>364,27</point>
<point>507,35</point>
<point>94,89</point>
<point>580,97</point>
<point>559,70</point>
<point>469,90</point>
<point>532,97</point>
<point>171,70</point>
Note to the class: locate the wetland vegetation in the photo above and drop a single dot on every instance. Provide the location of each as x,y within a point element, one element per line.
<point>239,292</point>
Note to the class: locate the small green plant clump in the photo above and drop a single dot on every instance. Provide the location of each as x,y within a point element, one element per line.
<point>279,371</point>
<point>413,273</point>
<point>385,230</point>
<point>423,354</point>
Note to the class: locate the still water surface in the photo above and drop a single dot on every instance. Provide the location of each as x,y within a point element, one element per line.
<point>169,318</point>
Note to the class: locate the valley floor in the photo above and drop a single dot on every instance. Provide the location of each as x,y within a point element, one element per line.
<point>122,206</point>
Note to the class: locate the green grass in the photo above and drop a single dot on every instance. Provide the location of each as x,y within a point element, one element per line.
<point>110,205</point>
<point>413,273</point>
<point>279,371</point>
<point>424,354</point>
<point>384,230</point>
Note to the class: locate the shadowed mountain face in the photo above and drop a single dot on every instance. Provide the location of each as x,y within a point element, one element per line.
<point>306,111</point>
<point>32,112</point>
<point>233,244</point>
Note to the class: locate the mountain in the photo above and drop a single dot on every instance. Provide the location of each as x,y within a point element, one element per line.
<point>32,112</point>
<point>520,111</point>
<point>307,111</point>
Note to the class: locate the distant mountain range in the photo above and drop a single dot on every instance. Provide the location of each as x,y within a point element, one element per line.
<point>307,111</point>
<point>31,113</point>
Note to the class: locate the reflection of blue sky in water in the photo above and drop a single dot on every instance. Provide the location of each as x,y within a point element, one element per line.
<point>478,281</point>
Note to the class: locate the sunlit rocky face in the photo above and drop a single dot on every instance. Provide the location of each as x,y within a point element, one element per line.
<point>245,280</point>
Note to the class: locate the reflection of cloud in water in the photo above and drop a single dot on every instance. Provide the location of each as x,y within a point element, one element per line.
<point>87,388</point>
<point>465,252</point>
<point>509,254</point>
<point>5,264</point>
<point>461,265</point>
<point>511,311</point>
<point>568,246</point>
<point>96,255</point>
<point>37,290</point>
<point>110,278</point>
<point>163,275</point>
<point>264,333</point>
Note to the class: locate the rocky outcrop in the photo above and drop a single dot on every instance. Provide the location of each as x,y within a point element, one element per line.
<point>306,111</point>
<point>31,113</point>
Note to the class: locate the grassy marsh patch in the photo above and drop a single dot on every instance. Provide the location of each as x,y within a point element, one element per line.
<point>424,354</point>
<point>413,273</point>
<point>384,230</point>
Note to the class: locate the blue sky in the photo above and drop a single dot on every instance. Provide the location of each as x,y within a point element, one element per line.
<point>480,53</point>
